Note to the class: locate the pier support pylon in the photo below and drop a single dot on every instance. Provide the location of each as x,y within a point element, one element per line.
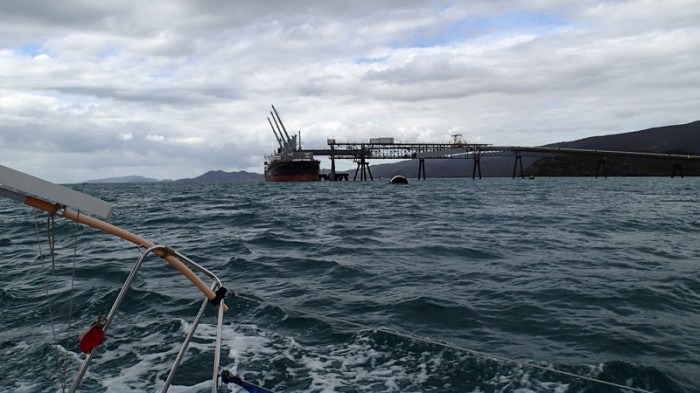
<point>332,176</point>
<point>477,166</point>
<point>332,157</point>
<point>518,160</point>
<point>680,169</point>
<point>421,168</point>
<point>363,169</point>
<point>601,162</point>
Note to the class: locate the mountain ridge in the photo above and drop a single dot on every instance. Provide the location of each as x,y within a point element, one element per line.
<point>124,179</point>
<point>664,139</point>
<point>219,176</point>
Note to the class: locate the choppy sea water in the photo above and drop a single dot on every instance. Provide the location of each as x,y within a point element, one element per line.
<point>597,277</point>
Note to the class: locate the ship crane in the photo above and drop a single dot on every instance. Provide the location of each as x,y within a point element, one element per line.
<point>287,143</point>
<point>279,141</point>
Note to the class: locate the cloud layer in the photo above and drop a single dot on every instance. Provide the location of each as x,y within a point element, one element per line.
<point>171,89</point>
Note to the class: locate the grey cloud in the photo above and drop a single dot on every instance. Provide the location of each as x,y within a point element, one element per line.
<point>209,69</point>
<point>159,95</point>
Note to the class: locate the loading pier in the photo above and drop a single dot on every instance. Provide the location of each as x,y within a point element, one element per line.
<point>387,149</point>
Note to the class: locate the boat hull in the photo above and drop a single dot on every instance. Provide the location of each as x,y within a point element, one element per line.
<point>292,171</point>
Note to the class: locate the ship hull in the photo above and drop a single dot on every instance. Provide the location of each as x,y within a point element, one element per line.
<point>292,171</point>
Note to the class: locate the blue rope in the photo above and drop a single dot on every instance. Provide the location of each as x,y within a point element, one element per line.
<point>229,377</point>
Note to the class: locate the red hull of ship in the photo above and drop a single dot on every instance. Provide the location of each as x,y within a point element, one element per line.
<point>292,171</point>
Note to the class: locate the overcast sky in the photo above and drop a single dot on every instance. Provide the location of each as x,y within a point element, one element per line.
<point>172,89</point>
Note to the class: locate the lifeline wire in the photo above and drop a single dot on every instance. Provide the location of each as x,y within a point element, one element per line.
<point>446,345</point>
<point>72,290</point>
<point>48,296</point>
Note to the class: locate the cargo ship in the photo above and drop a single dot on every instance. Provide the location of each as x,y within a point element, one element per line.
<point>289,163</point>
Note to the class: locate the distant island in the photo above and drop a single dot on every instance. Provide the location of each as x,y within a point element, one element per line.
<point>124,179</point>
<point>676,139</point>
<point>209,177</point>
<point>223,177</point>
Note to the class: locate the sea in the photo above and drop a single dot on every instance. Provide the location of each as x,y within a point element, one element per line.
<point>441,285</point>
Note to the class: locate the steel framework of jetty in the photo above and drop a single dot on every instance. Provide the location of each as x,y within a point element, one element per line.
<point>386,149</point>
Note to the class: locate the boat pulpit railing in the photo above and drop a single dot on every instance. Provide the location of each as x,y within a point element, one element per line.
<point>76,206</point>
<point>216,286</point>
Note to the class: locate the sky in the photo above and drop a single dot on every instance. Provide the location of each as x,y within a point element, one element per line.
<point>173,89</point>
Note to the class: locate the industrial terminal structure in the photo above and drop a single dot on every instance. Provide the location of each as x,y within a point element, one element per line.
<point>386,148</point>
